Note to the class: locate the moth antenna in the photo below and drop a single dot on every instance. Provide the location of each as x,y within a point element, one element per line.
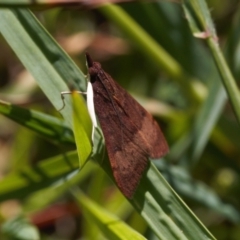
<point>89,60</point>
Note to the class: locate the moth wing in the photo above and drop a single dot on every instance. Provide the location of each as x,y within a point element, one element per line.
<point>128,167</point>
<point>147,131</point>
<point>128,161</point>
<point>131,134</point>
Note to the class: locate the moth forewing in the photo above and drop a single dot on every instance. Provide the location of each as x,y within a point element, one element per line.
<point>131,134</point>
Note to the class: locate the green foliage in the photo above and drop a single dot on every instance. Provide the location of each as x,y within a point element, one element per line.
<point>155,53</point>
<point>82,128</point>
<point>20,229</point>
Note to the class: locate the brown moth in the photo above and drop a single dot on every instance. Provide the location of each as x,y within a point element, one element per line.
<point>131,134</point>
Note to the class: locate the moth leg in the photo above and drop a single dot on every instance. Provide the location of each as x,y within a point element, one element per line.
<point>62,97</point>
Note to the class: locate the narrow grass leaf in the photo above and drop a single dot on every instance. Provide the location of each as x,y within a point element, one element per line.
<point>206,119</point>
<point>232,49</point>
<point>49,127</point>
<point>36,202</point>
<point>192,144</point>
<point>192,88</point>
<point>203,15</point>
<point>164,211</point>
<point>51,67</point>
<point>30,179</point>
<point>111,226</point>
<point>184,184</point>
<point>82,128</point>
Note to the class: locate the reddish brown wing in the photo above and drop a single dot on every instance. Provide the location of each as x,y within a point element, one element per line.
<point>130,132</point>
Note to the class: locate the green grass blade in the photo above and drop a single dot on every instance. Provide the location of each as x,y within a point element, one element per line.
<point>202,12</point>
<point>35,202</point>
<point>166,212</point>
<point>184,184</point>
<point>169,217</point>
<point>30,179</point>
<point>206,119</point>
<point>47,126</point>
<point>82,128</point>
<point>111,226</point>
<point>193,143</point>
<point>191,87</point>
<point>163,210</point>
<point>41,55</point>
<point>150,189</point>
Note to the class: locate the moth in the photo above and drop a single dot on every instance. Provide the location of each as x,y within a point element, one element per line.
<point>132,136</point>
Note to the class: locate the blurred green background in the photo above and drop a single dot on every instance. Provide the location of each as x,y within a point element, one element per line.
<point>180,86</point>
